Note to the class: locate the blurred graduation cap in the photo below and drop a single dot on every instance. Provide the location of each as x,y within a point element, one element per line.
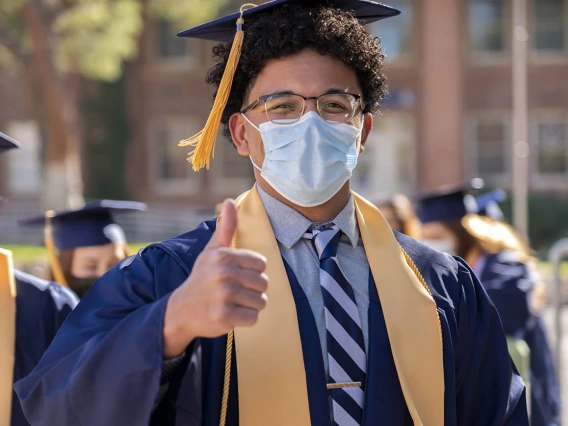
<point>448,203</point>
<point>92,225</point>
<point>488,204</point>
<point>232,27</point>
<point>6,143</point>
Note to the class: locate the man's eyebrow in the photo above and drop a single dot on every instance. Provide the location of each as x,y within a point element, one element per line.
<point>335,91</point>
<point>332,91</point>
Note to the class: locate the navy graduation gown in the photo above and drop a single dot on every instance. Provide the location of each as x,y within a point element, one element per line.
<point>105,366</point>
<point>509,283</point>
<point>41,308</point>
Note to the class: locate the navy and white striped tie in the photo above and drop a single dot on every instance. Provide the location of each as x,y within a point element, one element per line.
<point>345,344</point>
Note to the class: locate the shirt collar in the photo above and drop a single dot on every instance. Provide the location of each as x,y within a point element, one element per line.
<point>289,225</point>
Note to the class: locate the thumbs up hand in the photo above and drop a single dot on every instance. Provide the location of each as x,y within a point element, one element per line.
<point>225,289</point>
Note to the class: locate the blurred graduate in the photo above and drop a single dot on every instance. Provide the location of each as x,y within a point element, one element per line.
<point>474,229</point>
<point>399,213</point>
<point>31,312</point>
<point>298,305</point>
<point>83,244</point>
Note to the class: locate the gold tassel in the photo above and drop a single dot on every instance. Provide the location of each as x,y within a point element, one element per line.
<point>204,141</point>
<point>52,251</point>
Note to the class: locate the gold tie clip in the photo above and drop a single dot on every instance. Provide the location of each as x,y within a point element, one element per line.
<point>344,385</point>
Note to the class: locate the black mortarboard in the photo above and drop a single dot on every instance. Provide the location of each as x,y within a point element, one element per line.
<point>448,203</point>
<point>488,204</point>
<point>91,225</point>
<point>223,29</point>
<point>231,27</point>
<point>6,143</point>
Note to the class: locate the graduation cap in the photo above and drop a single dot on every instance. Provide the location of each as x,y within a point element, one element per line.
<point>6,143</point>
<point>488,204</point>
<point>92,225</point>
<point>230,28</point>
<point>448,203</point>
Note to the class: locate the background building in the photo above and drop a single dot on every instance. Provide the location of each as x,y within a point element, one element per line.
<point>448,116</point>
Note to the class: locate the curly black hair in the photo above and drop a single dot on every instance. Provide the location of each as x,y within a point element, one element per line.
<point>288,30</point>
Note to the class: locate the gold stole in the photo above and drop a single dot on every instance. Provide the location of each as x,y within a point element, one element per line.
<point>271,374</point>
<point>7,334</point>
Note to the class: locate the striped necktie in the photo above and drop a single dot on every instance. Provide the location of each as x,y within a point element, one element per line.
<point>345,344</point>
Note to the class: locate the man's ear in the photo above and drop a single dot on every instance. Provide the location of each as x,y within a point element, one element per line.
<point>367,129</point>
<point>237,126</point>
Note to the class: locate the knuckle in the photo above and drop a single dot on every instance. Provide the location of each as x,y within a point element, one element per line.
<point>222,255</point>
<point>224,273</point>
<point>227,292</point>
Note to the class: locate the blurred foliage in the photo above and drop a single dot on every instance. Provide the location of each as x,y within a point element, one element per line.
<point>95,37</point>
<point>26,254</point>
<point>106,133</point>
<point>548,220</point>
<point>185,14</point>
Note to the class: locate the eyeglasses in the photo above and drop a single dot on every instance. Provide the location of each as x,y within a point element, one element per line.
<point>289,108</point>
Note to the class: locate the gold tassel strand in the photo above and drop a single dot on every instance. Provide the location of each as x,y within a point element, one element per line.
<point>52,251</point>
<point>204,141</point>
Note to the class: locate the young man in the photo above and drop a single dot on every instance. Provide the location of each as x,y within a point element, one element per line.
<point>298,306</point>
<point>31,312</point>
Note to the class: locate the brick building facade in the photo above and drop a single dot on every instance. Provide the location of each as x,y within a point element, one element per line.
<point>448,117</point>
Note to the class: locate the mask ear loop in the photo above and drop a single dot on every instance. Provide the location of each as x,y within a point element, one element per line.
<point>250,122</point>
<point>250,156</point>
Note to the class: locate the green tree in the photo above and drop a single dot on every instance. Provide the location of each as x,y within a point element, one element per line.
<point>56,44</point>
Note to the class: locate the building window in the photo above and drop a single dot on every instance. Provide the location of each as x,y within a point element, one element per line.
<point>172,172</point>
<point>231,173</point>
<point>168,47</point>
<point>388,164</point>
<point>24,164</point>
<point>549,25</point>
<point>487,26</point>
<point>489,140</point>
<point>552,147</point>
<point>396,33</point>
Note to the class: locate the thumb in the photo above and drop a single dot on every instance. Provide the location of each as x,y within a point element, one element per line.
<point>226,226</point>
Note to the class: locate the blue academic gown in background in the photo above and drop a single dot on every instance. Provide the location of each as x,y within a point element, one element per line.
<point>105,367</point>
<point>510,283</point>
<point>41,308</point>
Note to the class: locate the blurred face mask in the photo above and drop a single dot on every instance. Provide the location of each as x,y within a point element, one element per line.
<point>82,285</point>
<point>308,162</point>
<point>445,246</point>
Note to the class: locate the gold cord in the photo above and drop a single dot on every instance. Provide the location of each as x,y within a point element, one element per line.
<point>416,271</point>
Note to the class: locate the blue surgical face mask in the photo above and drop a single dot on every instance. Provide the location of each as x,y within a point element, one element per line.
<point>308,162</point>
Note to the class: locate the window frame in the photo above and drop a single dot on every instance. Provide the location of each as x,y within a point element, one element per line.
<point>471,151</point>
<point>483,57</point>
<point>546,181</point>
<point>545,56</point>
<point>409,57</point>
<point>190,61</point>
<point>182,186</point>
<point>383,154</point>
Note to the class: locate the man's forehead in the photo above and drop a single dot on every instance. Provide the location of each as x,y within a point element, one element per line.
<point>307,73</point>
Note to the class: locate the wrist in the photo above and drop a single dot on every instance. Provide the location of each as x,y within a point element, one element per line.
<point>177,334</point>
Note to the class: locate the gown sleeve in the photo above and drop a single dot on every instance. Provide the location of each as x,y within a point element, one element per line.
<point>489,390</point>
<point>105,364</point>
